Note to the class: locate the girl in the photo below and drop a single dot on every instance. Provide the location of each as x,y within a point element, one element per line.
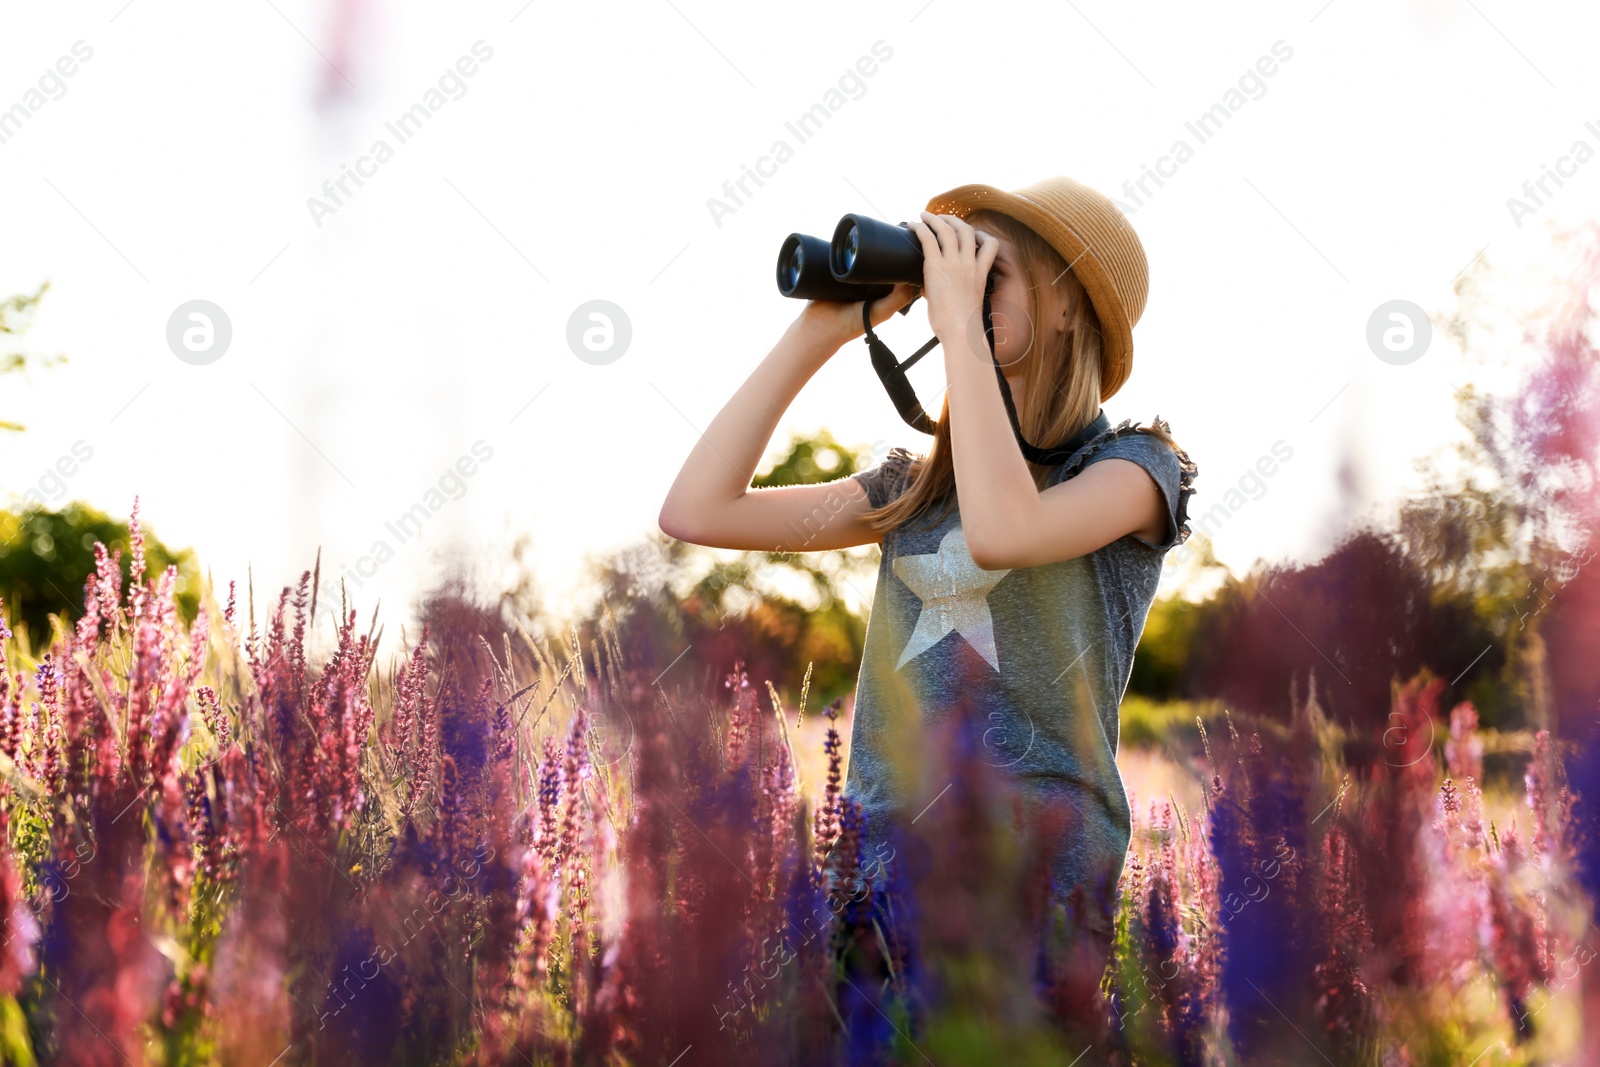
<point>1009,591</point>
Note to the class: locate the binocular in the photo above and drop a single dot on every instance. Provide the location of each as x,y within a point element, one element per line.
<point>863,261</point>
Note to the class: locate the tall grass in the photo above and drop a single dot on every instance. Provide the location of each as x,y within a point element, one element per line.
<point>502,850</point>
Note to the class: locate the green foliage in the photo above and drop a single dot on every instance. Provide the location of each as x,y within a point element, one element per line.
<point>15,1044</point>
<point>811,461</point>
<point>1490,547</point>
<point>1160,661</point>
<point>16,315</point>
<point>30,838</point>
<point>46,555</point>
<point>1147,723</point>
<point>777,612</point>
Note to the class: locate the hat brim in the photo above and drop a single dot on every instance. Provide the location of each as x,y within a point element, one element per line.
<point>1078,251</point>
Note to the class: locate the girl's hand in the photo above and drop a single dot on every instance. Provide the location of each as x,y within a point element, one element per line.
<point>835,322</point>
<point>955,261</point>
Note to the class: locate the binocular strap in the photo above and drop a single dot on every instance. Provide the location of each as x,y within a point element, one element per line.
<point>892,373</point>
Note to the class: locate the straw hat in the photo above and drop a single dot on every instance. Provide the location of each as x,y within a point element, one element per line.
<point>1095,239</point>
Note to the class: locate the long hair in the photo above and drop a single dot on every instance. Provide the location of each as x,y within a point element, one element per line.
<point>1061,379</point>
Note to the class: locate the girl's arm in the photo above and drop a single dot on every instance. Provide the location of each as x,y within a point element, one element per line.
<point>1006,520</point>
<point>711,502</point>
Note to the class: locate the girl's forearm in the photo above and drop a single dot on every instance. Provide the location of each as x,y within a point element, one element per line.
<point>724,459</point>
<point>993,482</point>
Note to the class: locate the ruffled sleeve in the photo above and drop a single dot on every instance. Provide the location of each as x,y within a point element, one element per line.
<point>1171,468</point>
<point>888,479</point>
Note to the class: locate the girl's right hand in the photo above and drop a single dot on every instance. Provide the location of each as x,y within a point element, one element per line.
<point>835,322</point>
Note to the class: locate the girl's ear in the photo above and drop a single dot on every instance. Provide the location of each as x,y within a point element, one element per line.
<point>1064,319</point>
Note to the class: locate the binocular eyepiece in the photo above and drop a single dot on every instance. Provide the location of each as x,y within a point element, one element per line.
<point>864,261</point>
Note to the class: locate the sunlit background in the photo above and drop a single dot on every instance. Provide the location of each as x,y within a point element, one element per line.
<point>394,220</point>
<point>380,337</point>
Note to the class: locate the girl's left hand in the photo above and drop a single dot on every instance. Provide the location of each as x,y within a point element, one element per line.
<point>956,261</point>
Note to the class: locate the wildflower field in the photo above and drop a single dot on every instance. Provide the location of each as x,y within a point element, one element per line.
<point>1365,795</point>
<point>506,850</point>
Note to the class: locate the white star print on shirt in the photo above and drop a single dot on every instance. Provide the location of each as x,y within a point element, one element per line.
<point>954,592</point>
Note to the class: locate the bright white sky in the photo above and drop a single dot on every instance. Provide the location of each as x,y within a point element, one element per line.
<point>371,352</point>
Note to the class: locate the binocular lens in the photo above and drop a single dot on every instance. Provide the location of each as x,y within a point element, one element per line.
<point>803,273</point>
<point>863,261</point>
<point>793,267</point>
<point>865,250</point>
<point>852,246</point>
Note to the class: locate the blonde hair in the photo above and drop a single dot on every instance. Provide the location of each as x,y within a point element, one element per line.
<point>1061,381</point>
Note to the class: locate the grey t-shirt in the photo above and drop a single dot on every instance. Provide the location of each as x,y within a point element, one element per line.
<point>1040,657</point>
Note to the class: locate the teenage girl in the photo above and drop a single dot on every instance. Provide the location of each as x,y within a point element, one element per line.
<point>1010,591</point>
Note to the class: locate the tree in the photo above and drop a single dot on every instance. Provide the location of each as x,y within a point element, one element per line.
<point>1462,581</point>
<point>45,557</point>
<point>1361,617</point>
<point>16,315</point>
<point>777,612</point>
